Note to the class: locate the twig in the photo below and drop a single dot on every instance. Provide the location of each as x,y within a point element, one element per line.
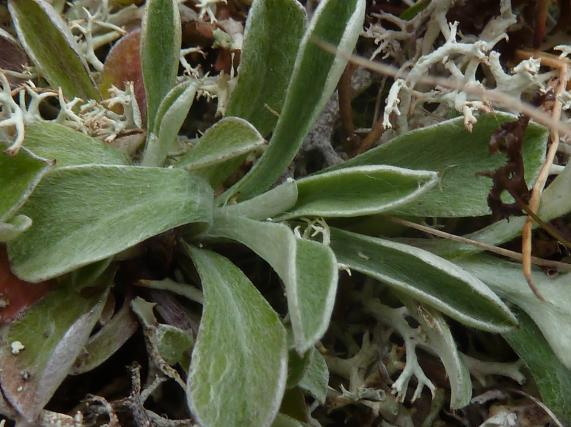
<point>541,9</point>
<point>372,137</point>
<point>547,59</point>
<point>487,247</point>
<point>451,83</point>
<point>541,180</point>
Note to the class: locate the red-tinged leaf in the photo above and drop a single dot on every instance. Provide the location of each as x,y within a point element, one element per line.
<point>37,350</point>
<point>122,65</point>
<point>15,294</point>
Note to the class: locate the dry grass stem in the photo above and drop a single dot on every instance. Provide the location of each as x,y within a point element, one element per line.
<point>541,180</point>
<point>562,266</point>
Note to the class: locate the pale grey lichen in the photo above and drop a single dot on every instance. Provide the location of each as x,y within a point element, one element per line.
<point>95,118</point>
<point>98,118</point>
<point>413,46</point>
<point>395,318</point>
<point>15,115</point>
<point>93,30</point>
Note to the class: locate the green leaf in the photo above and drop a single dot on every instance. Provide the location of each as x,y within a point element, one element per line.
<point>268,204</point>
<point>86,213</point>
<point>14,227</point>
<point>182,289</point>
<point>424,277</point>
<point>160,49</point>
<point>553,316</point>
<point>359,191</point>
<point>314,78</point>
<point>110,338</point>
<point>173,343</point>
<point>441,340</point>
<point>283,420</point>
<point>414,10</point>
<point>458,156</point>
<point>50,44</point>
<point>19,175</point>
<point>221,150</point>
<point>170,116</point>
<point>273,33</point>
<point>312,295</point>
<point>238,369</point>
<point>68,147</point>
<point>297,364</point>
<point>316,377</point>
<point>52,333</point>
<point>308,270</point>
<point>552,378</point>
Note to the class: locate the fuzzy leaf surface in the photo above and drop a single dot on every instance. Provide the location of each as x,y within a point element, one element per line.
<point>68,147</point>
<point>50,44</point>
<point>458,156</point>
<point>110,338</point>
<point>358,191</point>
<point>307,268</point>
<point>553,379</point>
<point>283,420</point>
<point>239,363</point>
<point>12,228</point>
<point>552,317</point>
<point>53,333</point>
<point>160,49</point>
<point>19,175</point>
<point>174,344</point>
<point>268,204</point>
<point>314,78</point>
<point>316,376</point>
<point>441,340</point>
<point>169,119</point>
<point>424,277</point>
<point>220,151</point>
<point>273,33</point>
<point>83,214</point>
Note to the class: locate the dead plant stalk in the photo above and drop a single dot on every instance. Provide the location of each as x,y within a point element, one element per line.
<point>542,179</point>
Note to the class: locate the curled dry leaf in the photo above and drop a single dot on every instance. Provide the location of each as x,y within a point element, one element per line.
<point>510,177</point>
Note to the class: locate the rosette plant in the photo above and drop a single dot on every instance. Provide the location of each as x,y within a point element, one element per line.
<point>124,224</point>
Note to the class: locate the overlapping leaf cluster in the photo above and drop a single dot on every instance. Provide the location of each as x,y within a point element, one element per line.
<point>72,208</point>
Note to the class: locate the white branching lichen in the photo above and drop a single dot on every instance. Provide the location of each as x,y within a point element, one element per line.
<point>396,319</point>
<point>94,118</point>
<point>413,46</point>
<point>315,227</point>
<point>86,30</point>
<point>15,115</point>
<point>99,119</point>
<point>208,8</point>
<point>481,370</point>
